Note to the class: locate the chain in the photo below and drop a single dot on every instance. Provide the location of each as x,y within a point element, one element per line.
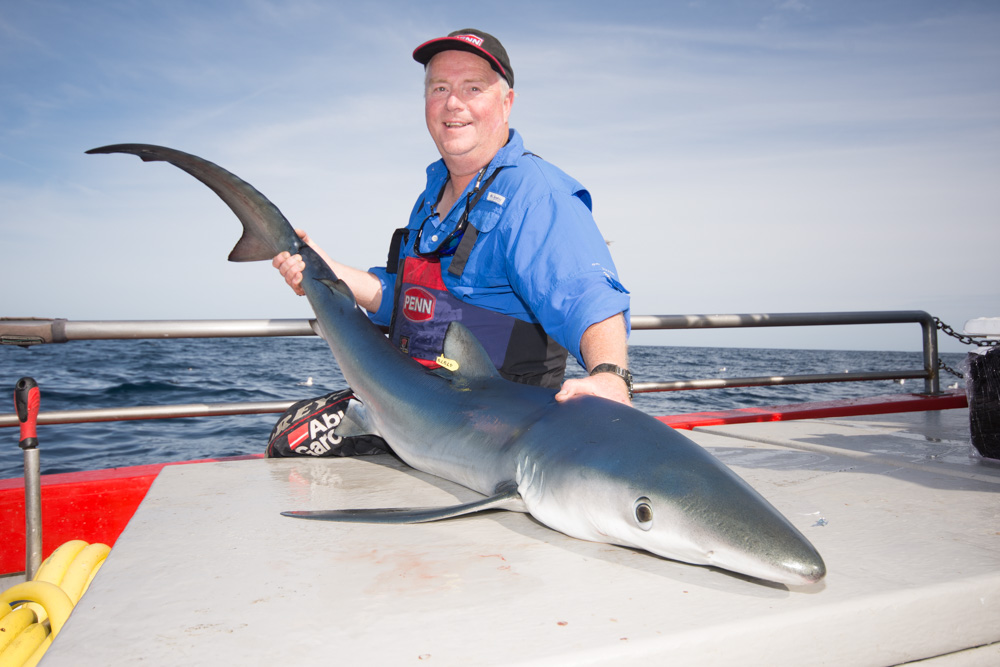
<point>948,368</point>
<point>968,340</point>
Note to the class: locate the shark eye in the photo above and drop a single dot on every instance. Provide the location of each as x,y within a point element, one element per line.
<point>644,513</point>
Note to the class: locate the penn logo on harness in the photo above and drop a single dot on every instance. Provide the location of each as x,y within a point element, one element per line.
<point>418,305</point>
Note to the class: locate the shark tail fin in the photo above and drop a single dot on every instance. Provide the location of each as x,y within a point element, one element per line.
<point>266,231</point>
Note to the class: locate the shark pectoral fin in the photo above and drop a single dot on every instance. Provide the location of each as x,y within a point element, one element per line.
<point>355,421</point>
<point>508,499</point>
<point>467,354</point>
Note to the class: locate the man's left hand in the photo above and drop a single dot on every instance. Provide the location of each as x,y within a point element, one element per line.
<point>605,385</point>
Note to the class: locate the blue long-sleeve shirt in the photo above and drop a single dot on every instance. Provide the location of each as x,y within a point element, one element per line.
<point>539,256</point>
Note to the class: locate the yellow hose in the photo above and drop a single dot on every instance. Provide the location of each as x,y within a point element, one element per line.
<point>80,571</point>
<point>24,646</point>
<point>34,612</point>
<point>53,568</point>
<point>14,624</point>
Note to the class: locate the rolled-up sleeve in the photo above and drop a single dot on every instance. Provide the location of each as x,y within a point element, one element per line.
<point>383,316</point>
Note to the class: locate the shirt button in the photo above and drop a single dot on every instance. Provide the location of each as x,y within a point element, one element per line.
<point>434,238</point>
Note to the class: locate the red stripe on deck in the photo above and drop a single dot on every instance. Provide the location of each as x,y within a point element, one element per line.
<point>876,405</point>
<point>94,506</point>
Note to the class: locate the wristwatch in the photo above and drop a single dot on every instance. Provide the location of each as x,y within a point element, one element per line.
<point>623,373</point>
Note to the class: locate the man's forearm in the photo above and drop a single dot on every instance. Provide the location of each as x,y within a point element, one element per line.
<point>605,342</point>
<point>366,287</point>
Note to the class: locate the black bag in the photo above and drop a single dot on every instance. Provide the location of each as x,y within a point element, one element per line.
<point>982,386</point>
<point>308,428</point>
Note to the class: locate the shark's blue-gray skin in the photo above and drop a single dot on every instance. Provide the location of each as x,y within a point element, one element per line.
<point>588,467</point>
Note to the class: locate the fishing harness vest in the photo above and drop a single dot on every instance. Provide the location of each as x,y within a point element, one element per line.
<point>521,351</point>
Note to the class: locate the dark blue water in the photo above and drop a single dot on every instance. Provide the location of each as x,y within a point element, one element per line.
<point>102,374</point>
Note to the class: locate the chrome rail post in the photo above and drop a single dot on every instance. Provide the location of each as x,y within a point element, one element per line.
<point>32,513</point>
<point>28,331</point>
<point>26,402</point>
<point>153,412</point>
<point>932,383</point>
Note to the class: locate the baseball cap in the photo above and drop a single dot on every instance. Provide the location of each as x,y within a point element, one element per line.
<point>474,41</point>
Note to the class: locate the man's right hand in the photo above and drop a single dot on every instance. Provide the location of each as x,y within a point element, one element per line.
<point>290,266</point>
<point>367,288</point>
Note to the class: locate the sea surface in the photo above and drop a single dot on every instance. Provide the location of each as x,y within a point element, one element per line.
<point>103,374</point>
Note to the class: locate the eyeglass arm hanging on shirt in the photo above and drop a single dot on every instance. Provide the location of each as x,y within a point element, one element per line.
<point>448,245</point>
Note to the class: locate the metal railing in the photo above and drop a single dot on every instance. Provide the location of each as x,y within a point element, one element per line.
<point>27,332</point>
<point>932,380</point>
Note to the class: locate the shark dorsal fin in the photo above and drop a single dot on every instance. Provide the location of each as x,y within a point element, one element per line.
<point>461,347</point>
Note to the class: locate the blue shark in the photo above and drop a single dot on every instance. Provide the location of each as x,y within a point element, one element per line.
<point>588,467</point>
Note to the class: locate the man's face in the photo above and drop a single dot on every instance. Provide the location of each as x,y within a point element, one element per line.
<point>465,108</point>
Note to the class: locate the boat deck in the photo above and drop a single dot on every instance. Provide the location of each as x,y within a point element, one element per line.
<point>208,572</point>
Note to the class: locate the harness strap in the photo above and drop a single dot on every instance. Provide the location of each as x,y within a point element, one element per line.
<point>461,257</point>
<point>457,266</point>
<point>399,239</point>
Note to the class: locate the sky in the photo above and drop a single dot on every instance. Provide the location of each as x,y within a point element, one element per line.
<point>758,156</point>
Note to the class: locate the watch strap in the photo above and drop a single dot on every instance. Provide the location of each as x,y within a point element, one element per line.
<point>614,369</point>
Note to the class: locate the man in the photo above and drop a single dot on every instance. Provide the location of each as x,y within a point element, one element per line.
<point>500,240</point>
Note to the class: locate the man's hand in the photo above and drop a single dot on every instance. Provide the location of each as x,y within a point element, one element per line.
<point>605,385</point>
<point>367,288</point>
<point>291,266</point>
<point>603,342</point>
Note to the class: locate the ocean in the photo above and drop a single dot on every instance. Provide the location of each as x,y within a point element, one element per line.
<point>103,374</point>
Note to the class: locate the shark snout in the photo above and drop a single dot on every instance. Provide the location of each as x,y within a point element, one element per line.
<point>809,571</point>
<point>794,561</point>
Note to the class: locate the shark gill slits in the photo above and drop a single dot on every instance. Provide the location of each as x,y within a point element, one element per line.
<point>644,513</point>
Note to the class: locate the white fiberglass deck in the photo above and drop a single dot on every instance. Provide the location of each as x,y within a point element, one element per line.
<point>209,573</point>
